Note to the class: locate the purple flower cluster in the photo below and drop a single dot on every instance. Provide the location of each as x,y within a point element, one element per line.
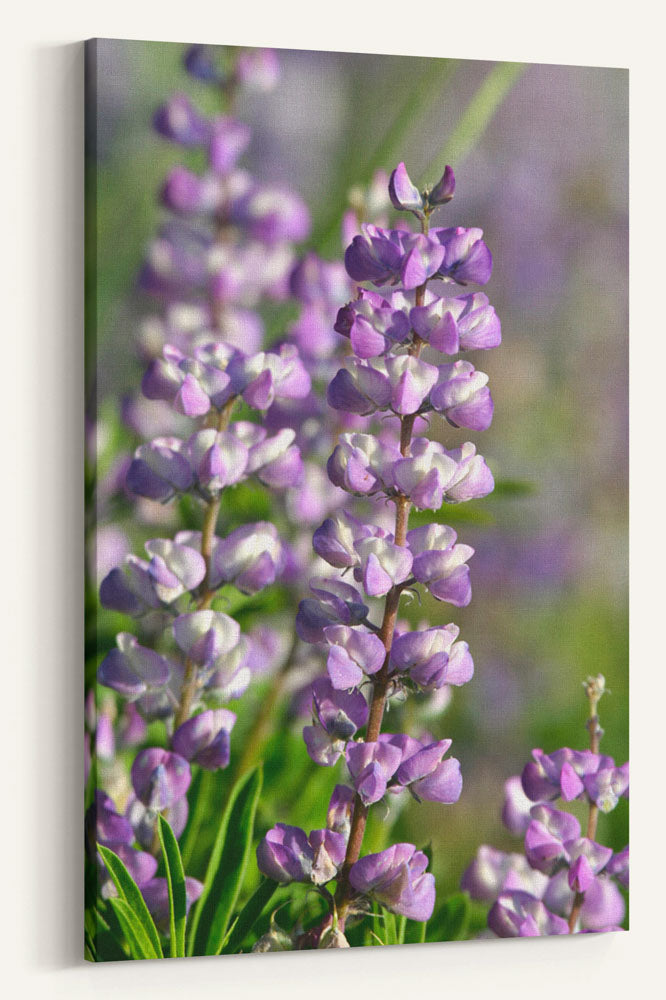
<point>565,881</point>
<point>386,376</point>
<point>228,242</point>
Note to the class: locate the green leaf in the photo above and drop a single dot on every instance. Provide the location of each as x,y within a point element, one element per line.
<point>227,866</point>
<point>175,876</point>
<point>415,932</point>
<point>129,891</point>
<point>510,488</point>
<point>451,922</point>
<point>391,931</point>
<point>140,945</point>
<point>249,915</point>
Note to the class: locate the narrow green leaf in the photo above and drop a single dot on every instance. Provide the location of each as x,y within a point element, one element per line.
<point>129,891</point>
<point>140,945</point>
<point>249,915</point>
<point>391,936</point>
<point>402,927</point>
<point>226,868</point>
<point>415,932</point>
<point>175,876</point>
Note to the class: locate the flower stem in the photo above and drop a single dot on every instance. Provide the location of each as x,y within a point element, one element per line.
<point>594,689</point>
<point>381,685</point>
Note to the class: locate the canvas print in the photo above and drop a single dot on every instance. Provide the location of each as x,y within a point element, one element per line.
<point>356,608</point>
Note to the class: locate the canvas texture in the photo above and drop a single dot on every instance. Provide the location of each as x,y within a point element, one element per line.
<point>356,500</point>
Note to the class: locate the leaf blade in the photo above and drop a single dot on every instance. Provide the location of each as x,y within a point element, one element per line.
<point>227,866</point>
<point>175,875</point>
<point>129,892</point>
<point>249,915</point>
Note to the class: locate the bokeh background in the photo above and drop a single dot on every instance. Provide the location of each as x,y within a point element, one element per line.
<point>540,154</point>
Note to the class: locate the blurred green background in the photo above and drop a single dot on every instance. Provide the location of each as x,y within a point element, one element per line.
<point>541,159</point>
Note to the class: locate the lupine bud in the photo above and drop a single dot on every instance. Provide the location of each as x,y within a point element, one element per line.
<point>397,879</point>
<point>334,540</point>
<point>205,738</point>
<point>160,778</point>
<point>403,193</point>
<point>132,670</point>
<point>443,190</point>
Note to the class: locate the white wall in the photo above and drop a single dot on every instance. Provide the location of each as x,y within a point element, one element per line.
<point>41,202</point>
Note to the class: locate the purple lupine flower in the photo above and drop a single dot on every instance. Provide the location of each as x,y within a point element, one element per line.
<point>336,603</point>
<point>606,785</point>
<point>361,464</point>
<point>548,836</point>
<point>564,773</point>
<point>334,539</point>
<point>285,854</point>
<point>229,138</point>
<point>462,396</point>
<point>186,193</point>
<point>156,894</point>
<point>428,776</point>
<point>229,676</point>
<point>139,586</point>
<point>397,879</point>
<point>179,121</point>
<point>160,778</point>
<point>603,906</point>
<point>373,324</point>
<point>271,215</point>
<point>352,653</point>
<point>133,670</point>
<point>329,849</point>
<point>467,258</point>
<point>338,715</point>
<point>432,657</point>
<point>382,564</point>
<point>404,195</point>
<point>251,557</point>
<point>144,819</point>
<point>517,914</point>
<point>371,766</point>
<point>217,458</point>
<point>388,256</point>
<point>440,564</point>
<point>494,872</point>
<point>619,867</point>
<point>159,469</point>
<point>431,474</point>
<point>276,461</point>
<point>258,69</point>
<point>400,382</point>
<point>516,814</point>
<point>340,809</point>
<point>192,383</point>
<point>263,377</point>
<point>205,636</point>
<point>205,738</point>
<point>450,325</point>
<point>105,825</point>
